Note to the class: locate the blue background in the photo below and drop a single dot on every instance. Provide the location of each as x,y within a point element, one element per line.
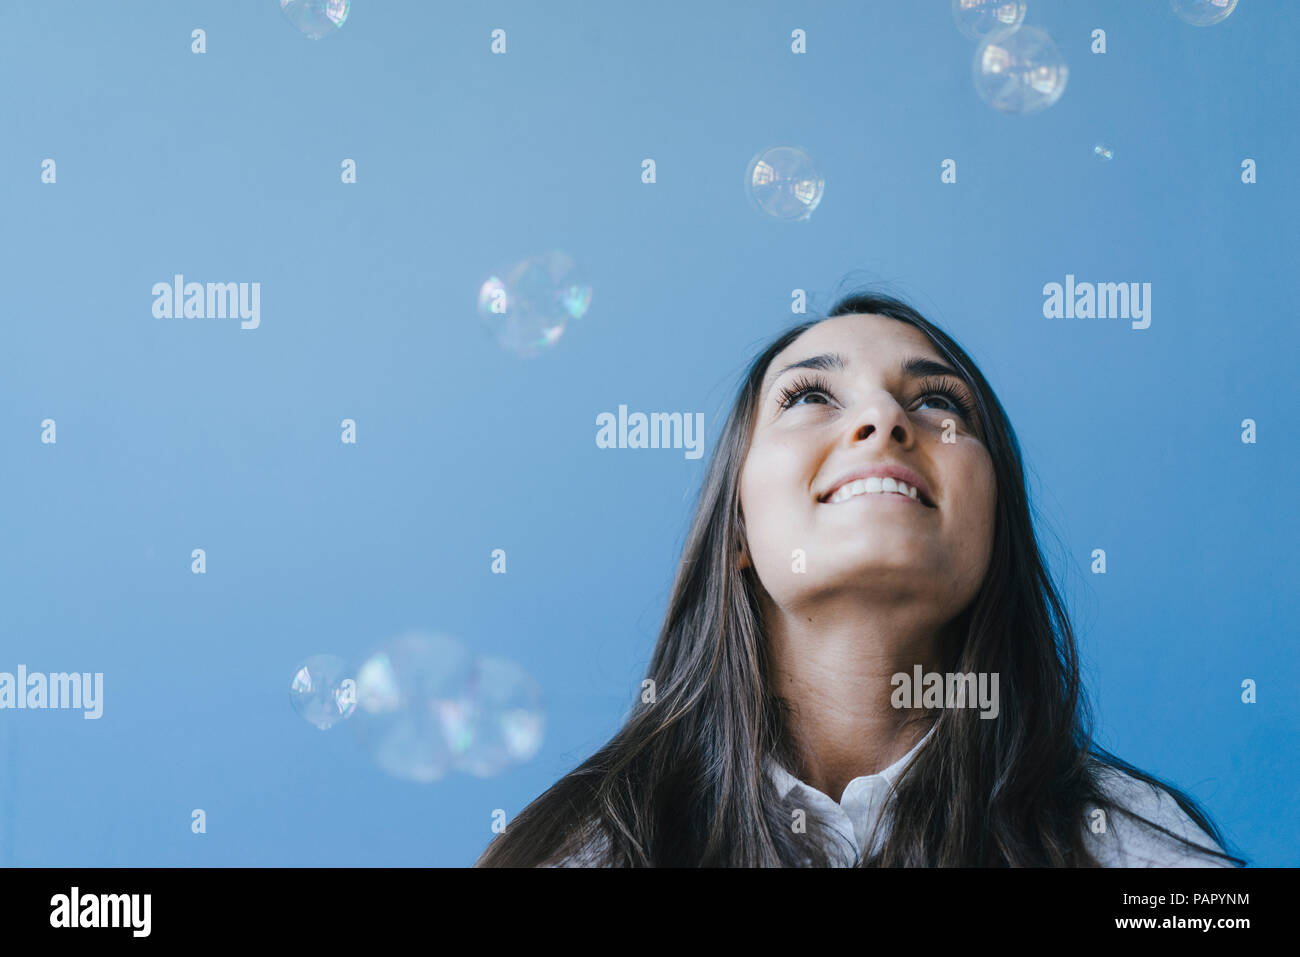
<point>177,434</point>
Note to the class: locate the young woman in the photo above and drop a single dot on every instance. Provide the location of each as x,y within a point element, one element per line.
<point>863,522</point>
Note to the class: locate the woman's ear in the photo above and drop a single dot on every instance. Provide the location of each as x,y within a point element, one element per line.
<point>744,557</point>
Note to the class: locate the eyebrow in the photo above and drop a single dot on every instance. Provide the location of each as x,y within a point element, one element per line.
<point>913,367</point>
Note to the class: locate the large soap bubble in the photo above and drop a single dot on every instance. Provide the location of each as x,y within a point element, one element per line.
<point>427,707</point>
<point>783,182</point>
<point>1020,72</point>
<point>507,718</point>
<point>415,705</point>
<point>527,306</point>
<point>322,691</point>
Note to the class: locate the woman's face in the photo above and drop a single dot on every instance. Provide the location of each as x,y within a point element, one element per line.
<point>865,411</point>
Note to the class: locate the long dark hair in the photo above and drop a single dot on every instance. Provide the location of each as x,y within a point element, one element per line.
<point>683,781</point>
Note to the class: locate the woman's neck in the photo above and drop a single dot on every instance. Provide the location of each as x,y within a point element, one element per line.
<point>833,668</point>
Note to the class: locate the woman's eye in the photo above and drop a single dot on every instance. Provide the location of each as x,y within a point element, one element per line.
<point>814,389</point>
<point>796,400</point>
<point>952,406</point>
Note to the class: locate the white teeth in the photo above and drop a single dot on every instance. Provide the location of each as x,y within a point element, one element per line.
<point>873,485</point>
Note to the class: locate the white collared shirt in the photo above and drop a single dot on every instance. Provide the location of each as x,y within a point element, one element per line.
<point>1120,843</point>
<point>854,815</point>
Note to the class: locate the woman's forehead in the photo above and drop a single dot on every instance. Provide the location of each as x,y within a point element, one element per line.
<point>860,327</point>
<point>855,336</point>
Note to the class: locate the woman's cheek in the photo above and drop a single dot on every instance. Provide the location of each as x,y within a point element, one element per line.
<point>979,506</point>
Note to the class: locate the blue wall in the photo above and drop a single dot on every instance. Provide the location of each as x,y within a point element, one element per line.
<point>177,434</point>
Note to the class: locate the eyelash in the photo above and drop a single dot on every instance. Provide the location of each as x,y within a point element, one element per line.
<point>806,386</point>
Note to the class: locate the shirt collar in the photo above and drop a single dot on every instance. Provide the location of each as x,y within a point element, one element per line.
<point>784,780</point>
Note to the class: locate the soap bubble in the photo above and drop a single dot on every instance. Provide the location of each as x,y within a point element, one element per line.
<point>784,183</point>
<point>527,307</point>
<point>979,18</point>
<point>1020,72</point>
<point>507,719</point>
<point>1203,13</point>
<point>316,18</point>
<point>1103,151</point>
<point>415,697</point>
<point>322,692</point>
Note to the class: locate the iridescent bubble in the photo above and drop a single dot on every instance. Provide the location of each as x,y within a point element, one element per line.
<point>980,18</point>
<point>784,183</point>
<point>1203,13</point>
<point>316,18</point>
<point>1103,151</point>
<point>322,691</point>
<point>527,307</point>
<point>507,720</point>
<point>415,697</point>
<point>1020,72</point>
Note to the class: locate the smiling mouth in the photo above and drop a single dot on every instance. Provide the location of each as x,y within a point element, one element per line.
<point>875,486</point>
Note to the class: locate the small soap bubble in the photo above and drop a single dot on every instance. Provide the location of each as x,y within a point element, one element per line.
<point>1020,72</point>
<point>322,691</point>
<point>783,182</point>
<point>507,720</point>
<point>415,705</point>
<point>1203,13</point>
<point>1103,151</point>
<point>528,306</point>
<point>316,18</point>
<point>980,18</point>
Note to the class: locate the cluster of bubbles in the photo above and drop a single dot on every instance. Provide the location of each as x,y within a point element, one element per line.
<point>1203,13</point>
<point>783,182</point>
<point>316,18</point>
<point>425,706</point>
<point>527,306</point>
<point>1019,69</point>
